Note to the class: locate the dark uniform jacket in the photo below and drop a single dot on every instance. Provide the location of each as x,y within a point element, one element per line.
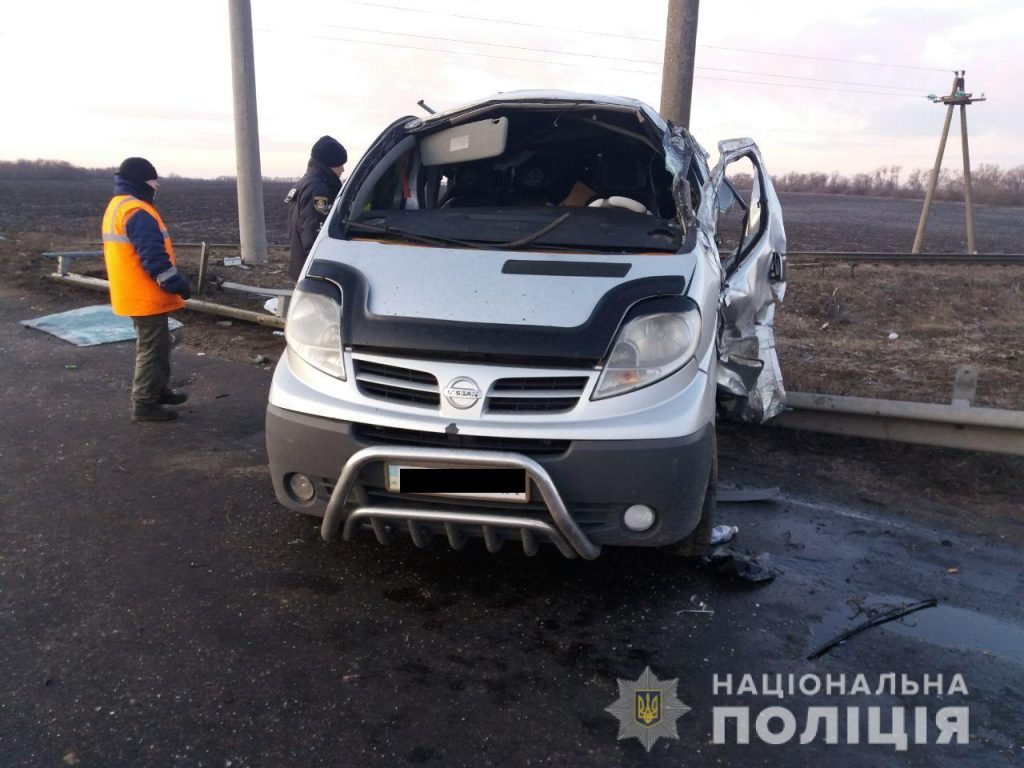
<point>310,202</point>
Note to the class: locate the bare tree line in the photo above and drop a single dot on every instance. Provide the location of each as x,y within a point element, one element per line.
<point>61,170</point>
<point>990,184</point>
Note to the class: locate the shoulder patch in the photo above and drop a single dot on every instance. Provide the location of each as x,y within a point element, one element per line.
<point>322,204</point>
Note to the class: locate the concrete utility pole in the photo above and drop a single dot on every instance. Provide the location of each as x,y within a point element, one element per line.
<point>677,70</point>
<point>252,228</point>
<point>957,97</point>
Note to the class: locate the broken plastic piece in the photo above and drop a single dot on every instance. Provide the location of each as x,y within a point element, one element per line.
<point>752,568</point>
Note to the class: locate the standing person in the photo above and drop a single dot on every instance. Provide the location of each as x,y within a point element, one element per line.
<point>144,284</point>
<point>312,198</point>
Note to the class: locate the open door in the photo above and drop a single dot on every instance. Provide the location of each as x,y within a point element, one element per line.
<point>751,244</point>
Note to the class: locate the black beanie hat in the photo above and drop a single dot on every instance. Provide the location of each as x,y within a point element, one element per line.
<point>329,151</point>
<point>138,170</point>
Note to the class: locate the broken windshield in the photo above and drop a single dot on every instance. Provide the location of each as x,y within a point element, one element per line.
<point>502,178</point>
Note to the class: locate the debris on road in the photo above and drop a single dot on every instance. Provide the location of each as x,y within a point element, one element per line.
<point>89,326</point>
<point>893,336</point>
<point>891,615</point>
<point>699,606</point>
<point>722,534</point>
<point>752,568</point>
<point>953,570</point>
<point>740,495</point>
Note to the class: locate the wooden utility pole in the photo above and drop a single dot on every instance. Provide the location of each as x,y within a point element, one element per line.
<point>956,97</point>
<point>677,69</point>
<point>252,228</point>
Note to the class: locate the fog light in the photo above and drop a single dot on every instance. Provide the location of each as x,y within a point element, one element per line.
<point>301,487</point>
<point>639,517</point>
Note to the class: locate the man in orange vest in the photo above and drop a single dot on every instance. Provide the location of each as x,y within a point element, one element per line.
<point>144,284</point>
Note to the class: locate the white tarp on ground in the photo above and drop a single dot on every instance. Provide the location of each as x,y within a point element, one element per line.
<point>89,326</point>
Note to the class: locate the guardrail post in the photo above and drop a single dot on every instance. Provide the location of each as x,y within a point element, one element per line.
<point>965,384</point>
<point>204,256</point>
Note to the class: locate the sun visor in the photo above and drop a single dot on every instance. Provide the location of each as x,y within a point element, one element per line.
<point>463,143</point>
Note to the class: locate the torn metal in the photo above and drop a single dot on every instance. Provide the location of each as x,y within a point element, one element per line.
<point>680,146</point>
<point>753,280</point>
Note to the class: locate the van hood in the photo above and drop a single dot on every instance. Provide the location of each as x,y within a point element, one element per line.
<point>475,303</point>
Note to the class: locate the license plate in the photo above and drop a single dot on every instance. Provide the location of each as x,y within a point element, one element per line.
<point>486,483</point>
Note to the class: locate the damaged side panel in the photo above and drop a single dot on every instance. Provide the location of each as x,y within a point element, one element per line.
<point>749,378</point>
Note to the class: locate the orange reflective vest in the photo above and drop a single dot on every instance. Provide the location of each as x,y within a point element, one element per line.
<point>132,291</point>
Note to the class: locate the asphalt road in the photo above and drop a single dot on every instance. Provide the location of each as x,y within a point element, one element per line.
<point>157,608</point>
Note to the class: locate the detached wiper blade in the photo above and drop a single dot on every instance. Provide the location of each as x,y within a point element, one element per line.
<point>431,240</point>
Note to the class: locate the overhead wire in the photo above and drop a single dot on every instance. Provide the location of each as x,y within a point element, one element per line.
<point>576,65</point>
<point>620,59</point>
<point>500,21</point>
<point>619,35</point>
<point>822,58</point>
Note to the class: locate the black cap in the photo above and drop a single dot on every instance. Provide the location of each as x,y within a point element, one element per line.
<point>138,170</point>
<point>329,151</point>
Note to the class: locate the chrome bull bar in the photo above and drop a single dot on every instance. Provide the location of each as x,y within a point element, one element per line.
<point>563,531</point>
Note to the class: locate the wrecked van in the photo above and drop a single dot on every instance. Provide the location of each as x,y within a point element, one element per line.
<point>520,324</point>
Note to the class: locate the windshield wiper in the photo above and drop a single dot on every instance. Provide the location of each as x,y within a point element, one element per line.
<point>432,240</point>
<point>359,226</point>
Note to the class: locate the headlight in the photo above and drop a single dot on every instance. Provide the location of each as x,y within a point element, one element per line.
<point>313,332</point>
<point>647,350</point>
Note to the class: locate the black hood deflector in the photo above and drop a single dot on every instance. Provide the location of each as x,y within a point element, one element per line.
<point>584,345</point>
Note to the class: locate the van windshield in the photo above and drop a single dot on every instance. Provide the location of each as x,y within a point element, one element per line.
<point>566,177</point>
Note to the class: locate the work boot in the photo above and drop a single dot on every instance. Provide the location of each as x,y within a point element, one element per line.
<point>172,397</point>
<point>152,412</point>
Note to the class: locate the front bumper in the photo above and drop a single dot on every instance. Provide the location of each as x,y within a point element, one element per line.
<point>594,481</point>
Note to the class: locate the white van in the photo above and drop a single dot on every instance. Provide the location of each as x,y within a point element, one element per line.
<point>520,324</point>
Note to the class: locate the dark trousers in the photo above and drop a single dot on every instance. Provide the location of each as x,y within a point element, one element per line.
<point>152,358</point>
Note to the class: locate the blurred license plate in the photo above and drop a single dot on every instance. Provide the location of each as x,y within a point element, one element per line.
<point>460,482</point>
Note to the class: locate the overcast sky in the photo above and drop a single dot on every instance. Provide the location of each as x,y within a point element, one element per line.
<point>93,82</point>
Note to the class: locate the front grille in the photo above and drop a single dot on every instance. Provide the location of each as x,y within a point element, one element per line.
<point>398,385</point>
<point>374,435</point>
<point>539,394</point>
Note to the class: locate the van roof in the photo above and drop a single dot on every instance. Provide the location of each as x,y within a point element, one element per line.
<point>545,97</point>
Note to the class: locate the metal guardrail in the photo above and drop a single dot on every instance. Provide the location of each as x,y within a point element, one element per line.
<point>949,426</point>
<point>65,259</point>
<point>959,425</point>
<point>197,305</point>
<point>907,258</point>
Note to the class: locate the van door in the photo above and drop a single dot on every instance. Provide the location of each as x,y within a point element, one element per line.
<point>751,242</point>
